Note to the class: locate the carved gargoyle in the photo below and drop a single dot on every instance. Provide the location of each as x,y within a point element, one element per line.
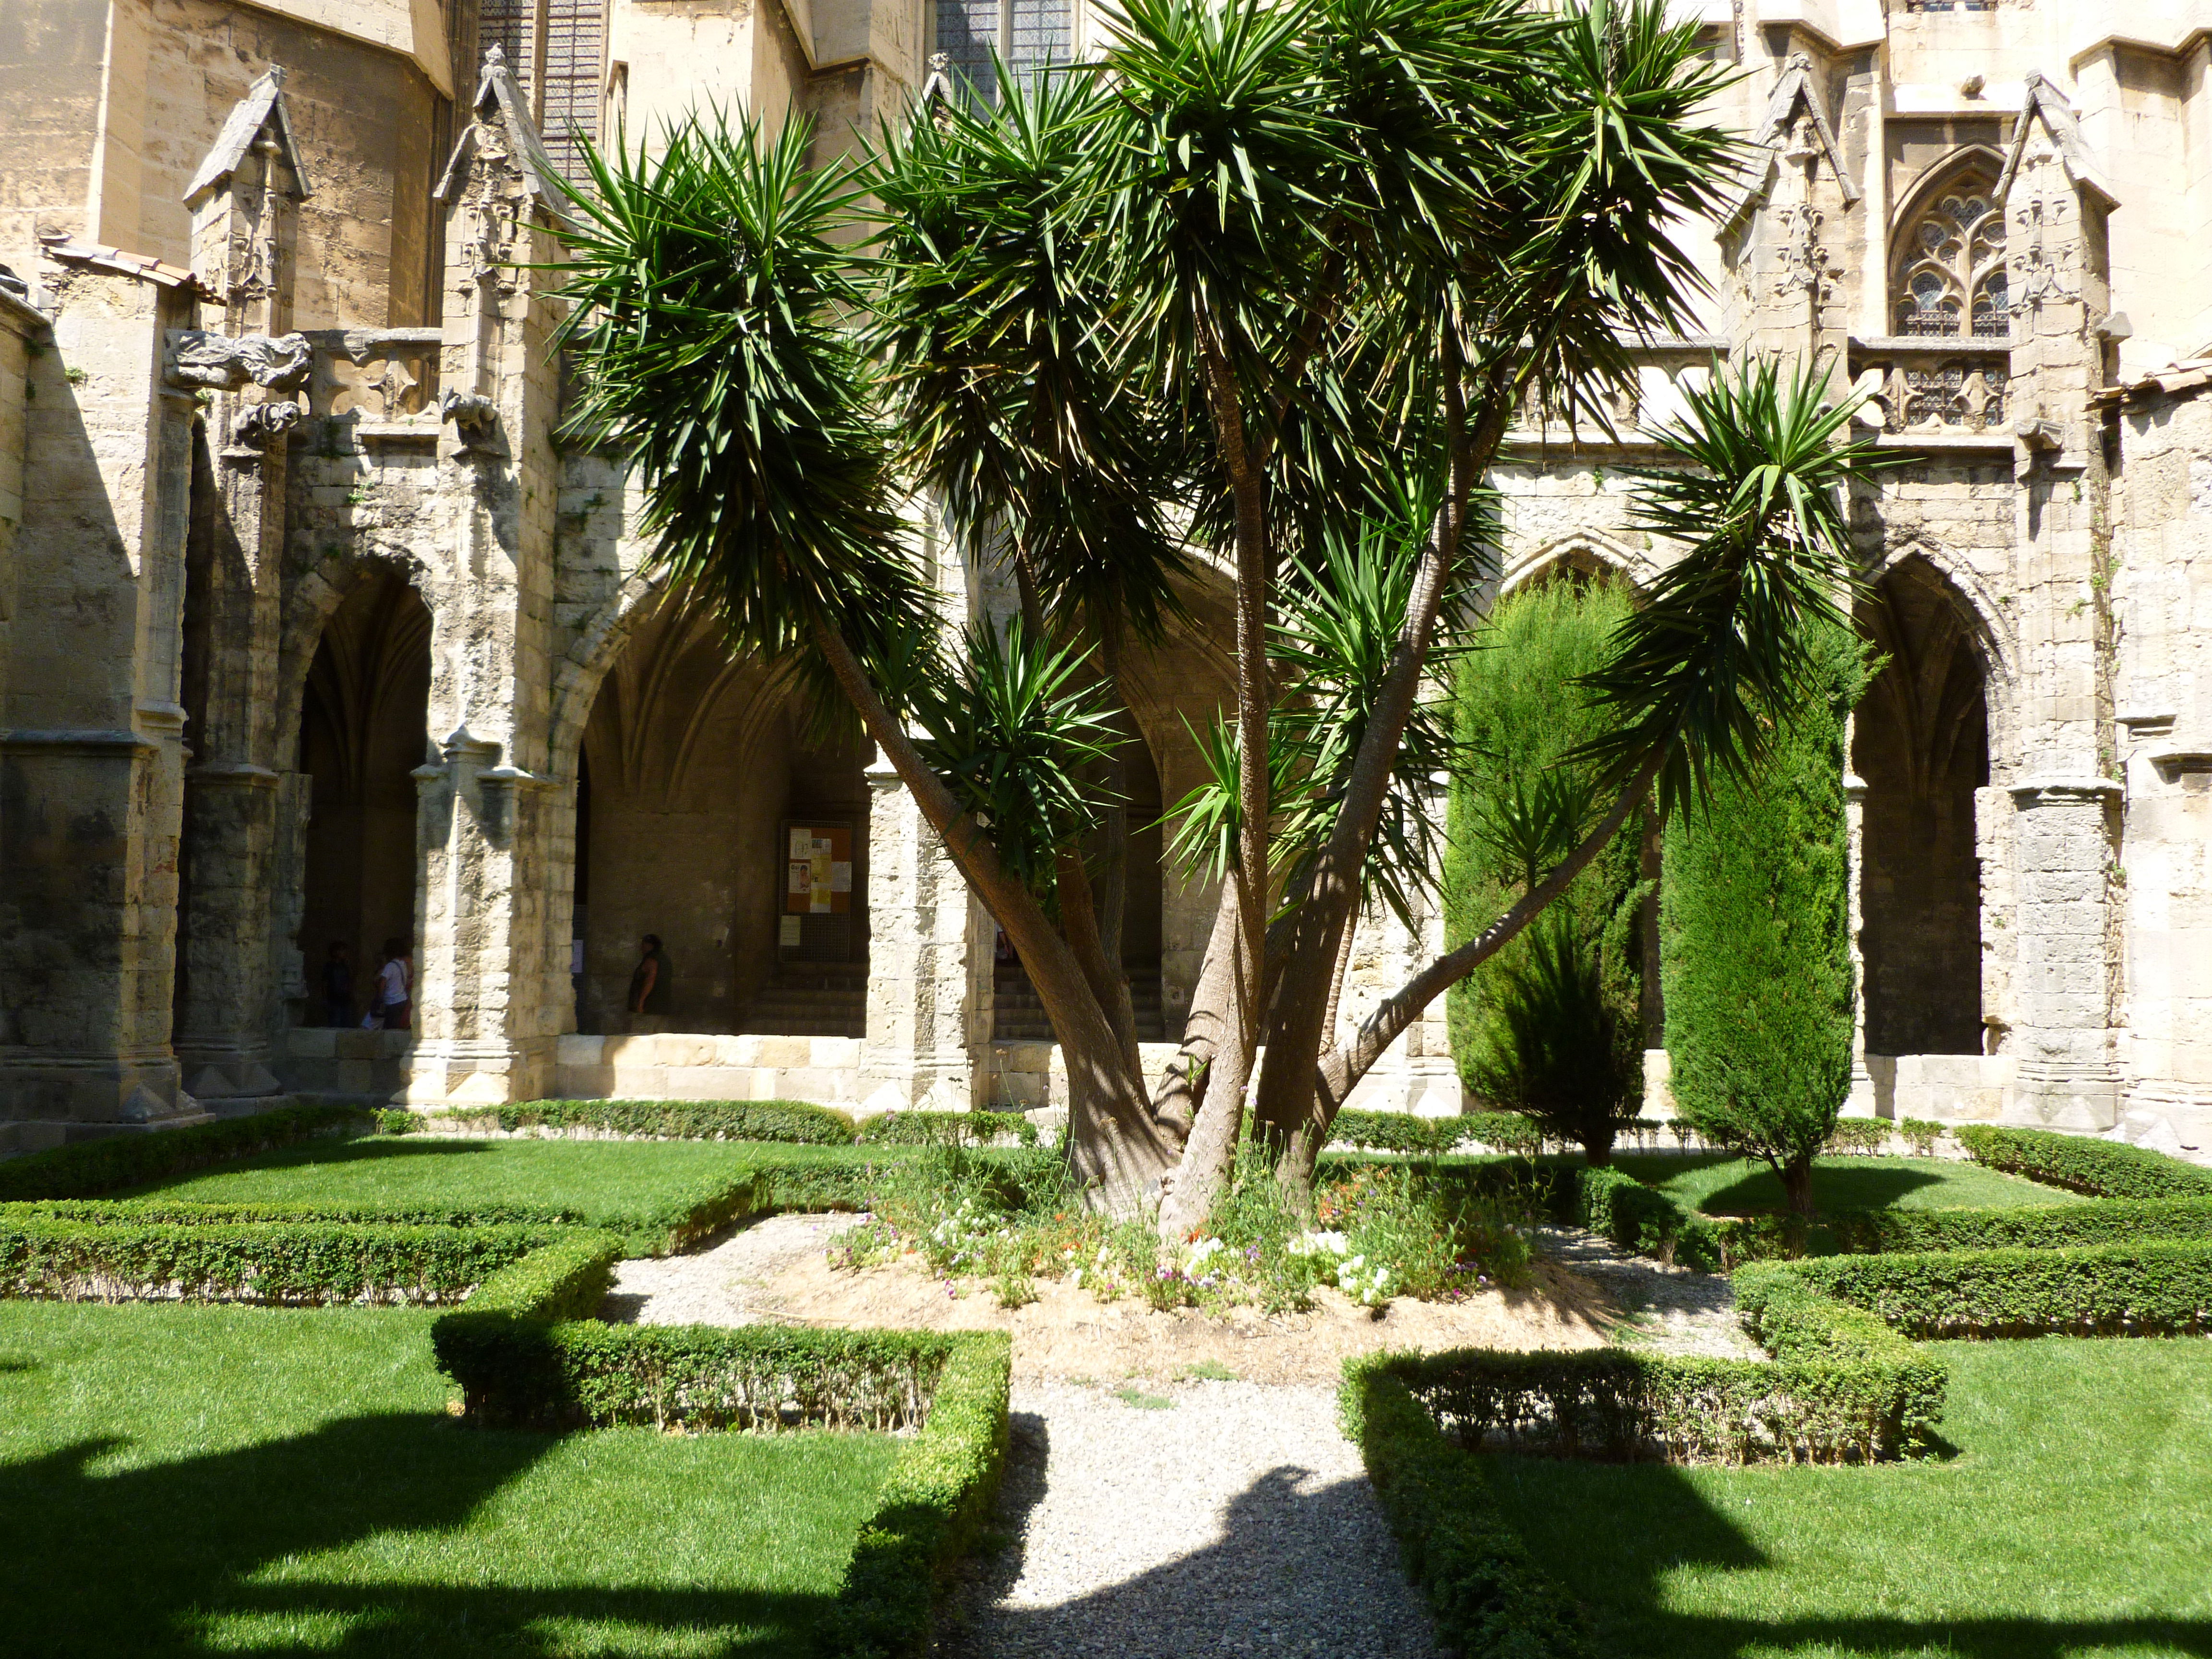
<point>227,361</point>
<point>259,423</point>
<point>475,419</point>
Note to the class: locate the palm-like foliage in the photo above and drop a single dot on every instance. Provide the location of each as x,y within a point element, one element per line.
<point>706,289</point>
<point>1559,1049</point>
<point>1759,505</point>
<point>1010,726</point>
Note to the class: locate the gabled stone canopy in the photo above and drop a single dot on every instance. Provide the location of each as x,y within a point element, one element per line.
<point>261,110</point>
<point>2045,103</point>
<point>500,103</point>
<point>1793,89</point>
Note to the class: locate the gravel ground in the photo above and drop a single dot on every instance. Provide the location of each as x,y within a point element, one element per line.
<point>1668,1309</point>
<point>1235,1519</point>
<point>722,1284</point>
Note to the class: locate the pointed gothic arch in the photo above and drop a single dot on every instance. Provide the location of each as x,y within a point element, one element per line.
<point>1921,743</point>
<point>1947,267</point>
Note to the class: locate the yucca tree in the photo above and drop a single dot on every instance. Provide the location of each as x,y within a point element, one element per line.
<point>1264,287</point>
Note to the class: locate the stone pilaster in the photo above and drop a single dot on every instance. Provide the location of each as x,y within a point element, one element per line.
<point>1793,233</point>
<point>2064,795</point>
<point>486,1027</point>
<point>2064,1071</point>
<point>243,200</point>
<point>91,742</point>
<point>929,985</point>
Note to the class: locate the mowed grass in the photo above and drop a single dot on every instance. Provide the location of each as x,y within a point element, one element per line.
<point>1722,1185</point>
<point>2074,1520</point>
<point>212,1480</point>
<point>610,1183</point>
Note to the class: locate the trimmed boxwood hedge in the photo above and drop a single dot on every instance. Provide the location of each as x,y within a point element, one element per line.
<point>285,1264</point>
<point>938,1497</point>
<point>2034,1227</point>
<point>707,1205</point>
<point>90,1167</point>
<point>918,1128</point>
<point>1490,1598</point>
<point>794,1122</point>
<point>2103,1169</point>
<point>2148,1288</point>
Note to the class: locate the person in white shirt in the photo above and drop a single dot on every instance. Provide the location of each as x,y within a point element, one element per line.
<point>395,984</point>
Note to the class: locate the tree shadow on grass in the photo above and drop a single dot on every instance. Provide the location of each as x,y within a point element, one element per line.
<point>1836,1186</point>
<point>154,1560</point>
<point>1614,1534</point>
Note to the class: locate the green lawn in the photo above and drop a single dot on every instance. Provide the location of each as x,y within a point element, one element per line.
<point>1721,1185</point>
<point>2074,1520</point>
<point>247,1480</point>
<point>615,1182</point>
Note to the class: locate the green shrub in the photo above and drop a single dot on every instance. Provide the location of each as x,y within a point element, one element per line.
<point>1637,1218</point>
<point>680,1216</point>
<point>2149,1287</point>
<point>1490,1599</point>
<point>1861,1135</point>
<point>2033,1227</point>
<point>2103,1169</point>
<point>131,1160</point>
<point>565,1279</point>
<point>1920,1133</point>
<point>1756,940</point>
<point>1559,1048</point>
<point>931,1128</point>
<point>280,1263</point>
<point>1520,714</point>
<point>520,1367</point>
<point>793,1122</point>
<point>937,1499</point>
<point>1842,1387</point>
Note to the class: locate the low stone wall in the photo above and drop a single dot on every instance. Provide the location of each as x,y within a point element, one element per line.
<point>336,1059</point>
<point>689,1065</point>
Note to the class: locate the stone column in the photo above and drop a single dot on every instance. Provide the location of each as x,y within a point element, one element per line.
<point>929,988</point>
<point>243,199</point>
<point>2064,1072</point>
<point>1874,1082</point>
<point>91,742</point>
<point>486,1028</point>
<point>2063,790</point>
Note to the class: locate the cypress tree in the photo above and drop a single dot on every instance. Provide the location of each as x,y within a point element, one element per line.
<point>1755,954</point>
<point>1523,1025</point>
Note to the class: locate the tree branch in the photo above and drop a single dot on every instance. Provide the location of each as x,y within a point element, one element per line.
<point>1343,1068</point>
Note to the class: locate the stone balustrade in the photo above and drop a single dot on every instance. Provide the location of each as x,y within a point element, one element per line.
<point>376,377</point>
<point>1934,384</point>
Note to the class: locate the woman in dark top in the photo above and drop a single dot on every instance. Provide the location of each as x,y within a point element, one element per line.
<point>651,984</point>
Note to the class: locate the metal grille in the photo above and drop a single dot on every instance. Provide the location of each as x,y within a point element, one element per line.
<point>1027,34</point>
<point>575,40</point>
<point>967,33</point>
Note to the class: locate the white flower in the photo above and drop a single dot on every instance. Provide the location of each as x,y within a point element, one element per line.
<point>1311,1243</point>
<point>1201,1250</point>
<point>1076,1278</point>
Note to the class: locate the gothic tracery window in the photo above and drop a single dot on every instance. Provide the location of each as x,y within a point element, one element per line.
<point>1949,273</point>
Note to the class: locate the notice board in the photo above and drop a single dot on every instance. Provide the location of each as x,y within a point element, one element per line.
<point>817,870</point>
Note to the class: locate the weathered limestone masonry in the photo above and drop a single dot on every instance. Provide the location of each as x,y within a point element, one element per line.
<point>295,553</point>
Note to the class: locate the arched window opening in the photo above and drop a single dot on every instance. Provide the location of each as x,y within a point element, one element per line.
<point>1949,273</point>
<point>364,727</point>
<point>1921,743</point>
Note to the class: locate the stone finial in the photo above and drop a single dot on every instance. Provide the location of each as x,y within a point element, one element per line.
<point>494,58</point>
<point>1799,60</point>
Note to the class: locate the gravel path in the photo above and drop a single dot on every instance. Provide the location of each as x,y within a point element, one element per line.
<point>1670,1310</point>
<point>721,1285</point>
<point>1234,1519</point>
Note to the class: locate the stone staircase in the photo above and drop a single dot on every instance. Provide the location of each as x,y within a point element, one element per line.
<point>811,998</point>
<point>1018,1014</point>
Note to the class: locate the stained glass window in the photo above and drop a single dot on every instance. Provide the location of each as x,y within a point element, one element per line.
<point>1950,271</point>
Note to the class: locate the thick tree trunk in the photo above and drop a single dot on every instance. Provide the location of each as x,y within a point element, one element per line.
<point>1209,1153</point>
<point>1797,1177</point>
<point>1298,1020</point>
<point>1117,1151</point>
